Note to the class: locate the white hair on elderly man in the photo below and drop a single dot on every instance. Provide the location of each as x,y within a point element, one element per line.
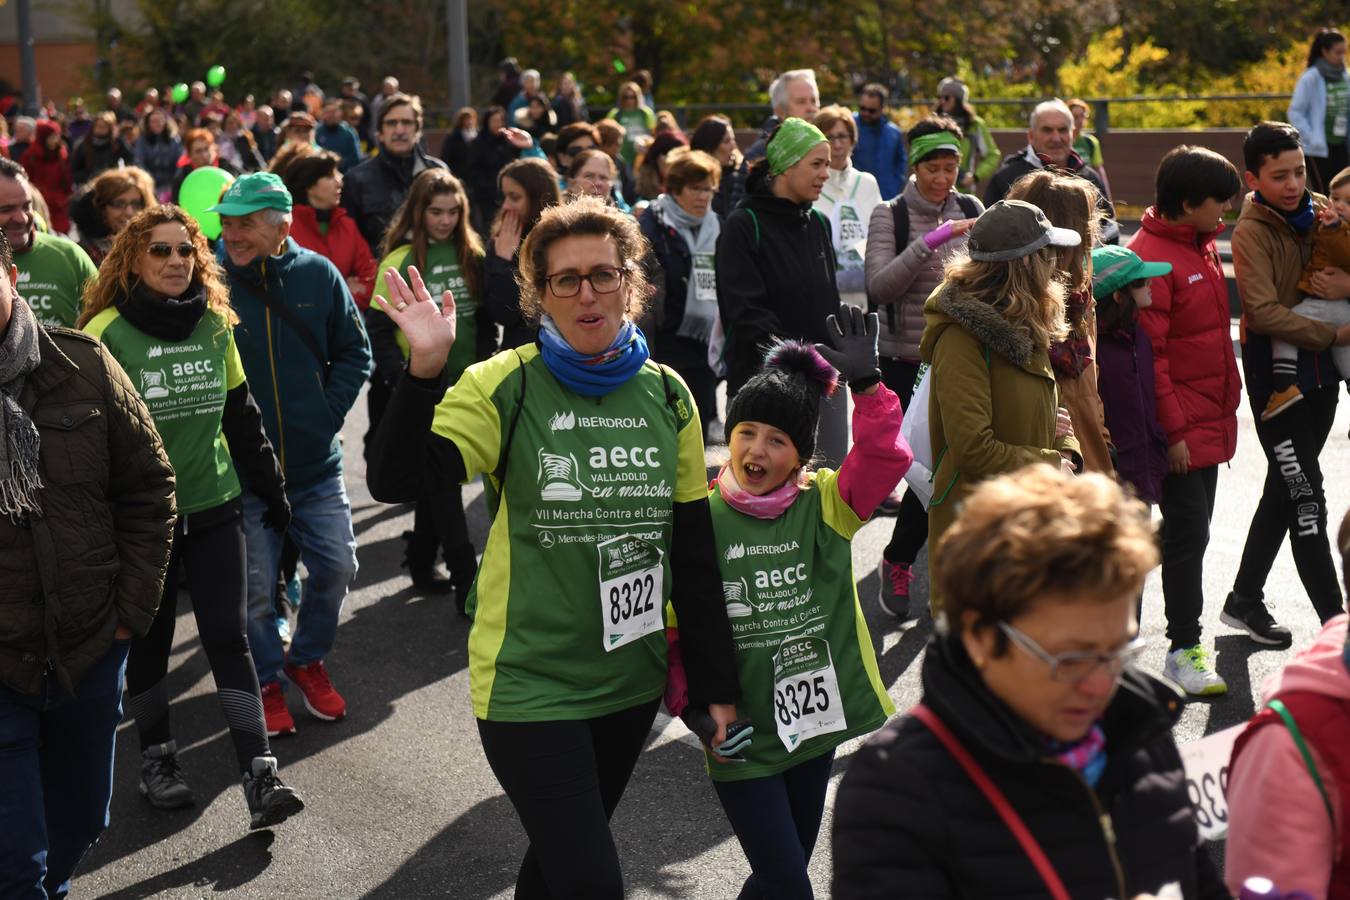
<point>778,90</point>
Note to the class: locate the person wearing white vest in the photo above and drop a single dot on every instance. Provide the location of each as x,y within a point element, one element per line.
<point>847,201</point>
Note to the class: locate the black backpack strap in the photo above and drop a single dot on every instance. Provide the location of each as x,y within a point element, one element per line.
<point>500,472</point>
<point>968,205</point>
<point>900,215</point>
<point>297,325</point>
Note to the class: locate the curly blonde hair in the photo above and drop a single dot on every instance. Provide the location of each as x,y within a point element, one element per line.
<point>1040,531</point>
<point>1029,292</point>
<point>584,216</point>
<point>116,278</point>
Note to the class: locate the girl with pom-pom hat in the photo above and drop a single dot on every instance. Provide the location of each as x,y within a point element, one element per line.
<point>808,672</point>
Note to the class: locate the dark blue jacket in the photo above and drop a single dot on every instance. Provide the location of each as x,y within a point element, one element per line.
<point>342,140</point>
<point>303,403</point>
<point>881,151</point>
<point>1125,382</point>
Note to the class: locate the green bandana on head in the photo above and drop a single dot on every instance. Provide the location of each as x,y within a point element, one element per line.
<point>793,140</point>
<point>921,147</point>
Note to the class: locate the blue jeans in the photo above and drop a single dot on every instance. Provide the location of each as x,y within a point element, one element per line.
<point>56,763</point>
<point>321,526</point>
<point>777,819</point>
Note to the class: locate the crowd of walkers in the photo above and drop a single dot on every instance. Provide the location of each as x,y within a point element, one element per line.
<point>554,307</point>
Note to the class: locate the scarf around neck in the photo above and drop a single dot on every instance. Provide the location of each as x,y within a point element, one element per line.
<point>19,440</point>
<point>765,506</point>
<point>1301,219</point>
<point>165,318</point>
<point>598,375</point>
<point>1071,356</point>
<point>700,236</point>
<point>1088,755</point>
<point>1328,71</point>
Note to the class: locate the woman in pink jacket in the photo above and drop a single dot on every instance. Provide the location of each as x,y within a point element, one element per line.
<point>1282,824</point>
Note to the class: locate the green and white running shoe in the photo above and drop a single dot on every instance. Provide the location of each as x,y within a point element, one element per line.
<point>1192,670</point>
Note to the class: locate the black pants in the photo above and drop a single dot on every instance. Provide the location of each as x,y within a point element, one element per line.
<point>1294,501</point>
<point>439,523</point>
<point>565,780</point>
<point>911,522</point>
<point>1187,508</point>
<point>1328,167</point>
<point>217,578</point>
<point>690,358</point>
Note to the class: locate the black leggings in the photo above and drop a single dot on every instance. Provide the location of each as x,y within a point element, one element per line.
<point>217,578</point>
<point>911,522</point>
<point>1293,501</point>
<point>565,780</point>
<point>439,522</point>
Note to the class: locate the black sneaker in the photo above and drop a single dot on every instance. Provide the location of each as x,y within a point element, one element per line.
<point>269,801</point>
<point>162,781</point>
<point>1251,616</point>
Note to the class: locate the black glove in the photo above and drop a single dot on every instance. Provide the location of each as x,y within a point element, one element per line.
<point>854,336</point>
<point>277,515</point>
<point>739,733</point>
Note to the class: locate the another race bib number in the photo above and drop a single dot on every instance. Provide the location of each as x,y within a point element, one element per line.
<point>1338,126</point>
<point>1206,763</point>
<point>631,590</point>
<point>806,699</point>
<point>705,278</point>
<point>851,229</point>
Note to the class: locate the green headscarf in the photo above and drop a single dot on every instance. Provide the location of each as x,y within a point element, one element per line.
<point>793,140</point>
<point>922,146</point>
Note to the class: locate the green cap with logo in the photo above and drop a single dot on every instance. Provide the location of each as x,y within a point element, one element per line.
<point>252,192</point>
<point>1114,267</point>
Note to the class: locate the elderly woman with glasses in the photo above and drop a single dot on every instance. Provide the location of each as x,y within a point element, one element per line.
<point>594,456</point>
<point>1040,762</point>
<point>847,200</point>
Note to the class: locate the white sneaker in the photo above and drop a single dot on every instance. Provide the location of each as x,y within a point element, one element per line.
<point>1191,669</point>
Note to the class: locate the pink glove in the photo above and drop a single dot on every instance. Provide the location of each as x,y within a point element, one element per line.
<point>677,685</point>
<point>938,236</point>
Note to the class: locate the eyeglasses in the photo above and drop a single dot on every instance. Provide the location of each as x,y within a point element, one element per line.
<point>841,139</point>
<point>1075,667</point>
<point>120,205</point>
<point>870,110</point>
<point>164,251</point>
<point>605,280</point>
<point>574,149</point>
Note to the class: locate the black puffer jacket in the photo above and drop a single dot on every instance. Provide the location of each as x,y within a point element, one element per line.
<point>775,277</point>
<point>372,190</point>
<point>96,559</point>
<point>909,822</point>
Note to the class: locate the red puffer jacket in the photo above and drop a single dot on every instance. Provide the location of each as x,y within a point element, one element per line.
<point>343,246</point>
<point>1195,371</point>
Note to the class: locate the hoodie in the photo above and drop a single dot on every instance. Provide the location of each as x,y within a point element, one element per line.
<point>303,403</point>
<point>1278,826</point>
<point>49,172</point>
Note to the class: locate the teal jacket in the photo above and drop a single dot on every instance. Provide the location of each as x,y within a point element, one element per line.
<point>303,403</point>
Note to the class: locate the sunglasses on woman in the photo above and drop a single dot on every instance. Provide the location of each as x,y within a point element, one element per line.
<point>164,251</point>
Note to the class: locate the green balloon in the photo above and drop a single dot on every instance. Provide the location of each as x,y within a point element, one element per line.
<point>201,190</point>
<point>215,76</point>
<point>180,92</point>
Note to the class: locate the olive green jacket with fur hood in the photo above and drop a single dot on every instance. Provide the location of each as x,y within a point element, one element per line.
<point>993,403</point>
<point>95,558</point>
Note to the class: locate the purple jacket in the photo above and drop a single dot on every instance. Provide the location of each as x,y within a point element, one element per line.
<point>1125,383</point>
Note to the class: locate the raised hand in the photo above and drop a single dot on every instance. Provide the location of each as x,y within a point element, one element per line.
<point>854,336</point>
<point>430,332</point>
<point>507,238</point>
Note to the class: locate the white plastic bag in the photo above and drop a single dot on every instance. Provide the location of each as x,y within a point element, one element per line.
<point>915,430</point>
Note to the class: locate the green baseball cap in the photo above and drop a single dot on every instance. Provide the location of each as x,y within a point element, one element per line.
<point>1114,267</point>
<point>252,192</point>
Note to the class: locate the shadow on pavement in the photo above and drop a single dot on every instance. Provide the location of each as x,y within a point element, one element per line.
<point>430,637</point>
<point>1232,653</point>
<point>230,867</point>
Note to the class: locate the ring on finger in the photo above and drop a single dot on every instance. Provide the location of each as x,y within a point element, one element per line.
<point>401,306</point>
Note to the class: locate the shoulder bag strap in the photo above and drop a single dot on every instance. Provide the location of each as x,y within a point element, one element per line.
<point>500,473</point>
<point>1000,803</point>
<point>1288,718</point>
<point>296,324</point>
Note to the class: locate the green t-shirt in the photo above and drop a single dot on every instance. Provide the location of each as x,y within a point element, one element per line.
<point>568,604</point>
<point>184,384</point>
<point>809,678</point>
<point>52,276</point>
<point>1338,107</point>
<point>442,273</point>
<point>1089,148</point>
<point>638,123</point>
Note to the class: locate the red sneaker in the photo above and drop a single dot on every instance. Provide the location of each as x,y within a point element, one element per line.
<point>275,713</point>
<point>320,697</point>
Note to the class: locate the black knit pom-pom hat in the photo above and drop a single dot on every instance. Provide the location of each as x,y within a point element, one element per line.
<point>786,394</point>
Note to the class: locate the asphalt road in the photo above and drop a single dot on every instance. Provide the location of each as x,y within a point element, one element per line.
<point>401,803</point>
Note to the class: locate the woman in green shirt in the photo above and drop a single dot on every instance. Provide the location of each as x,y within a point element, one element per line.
<point>431,231</point>
<point>638,120</point>
<point>162,309</point>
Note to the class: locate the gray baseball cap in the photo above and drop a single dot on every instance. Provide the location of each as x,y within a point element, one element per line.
<point>1012,229</point>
